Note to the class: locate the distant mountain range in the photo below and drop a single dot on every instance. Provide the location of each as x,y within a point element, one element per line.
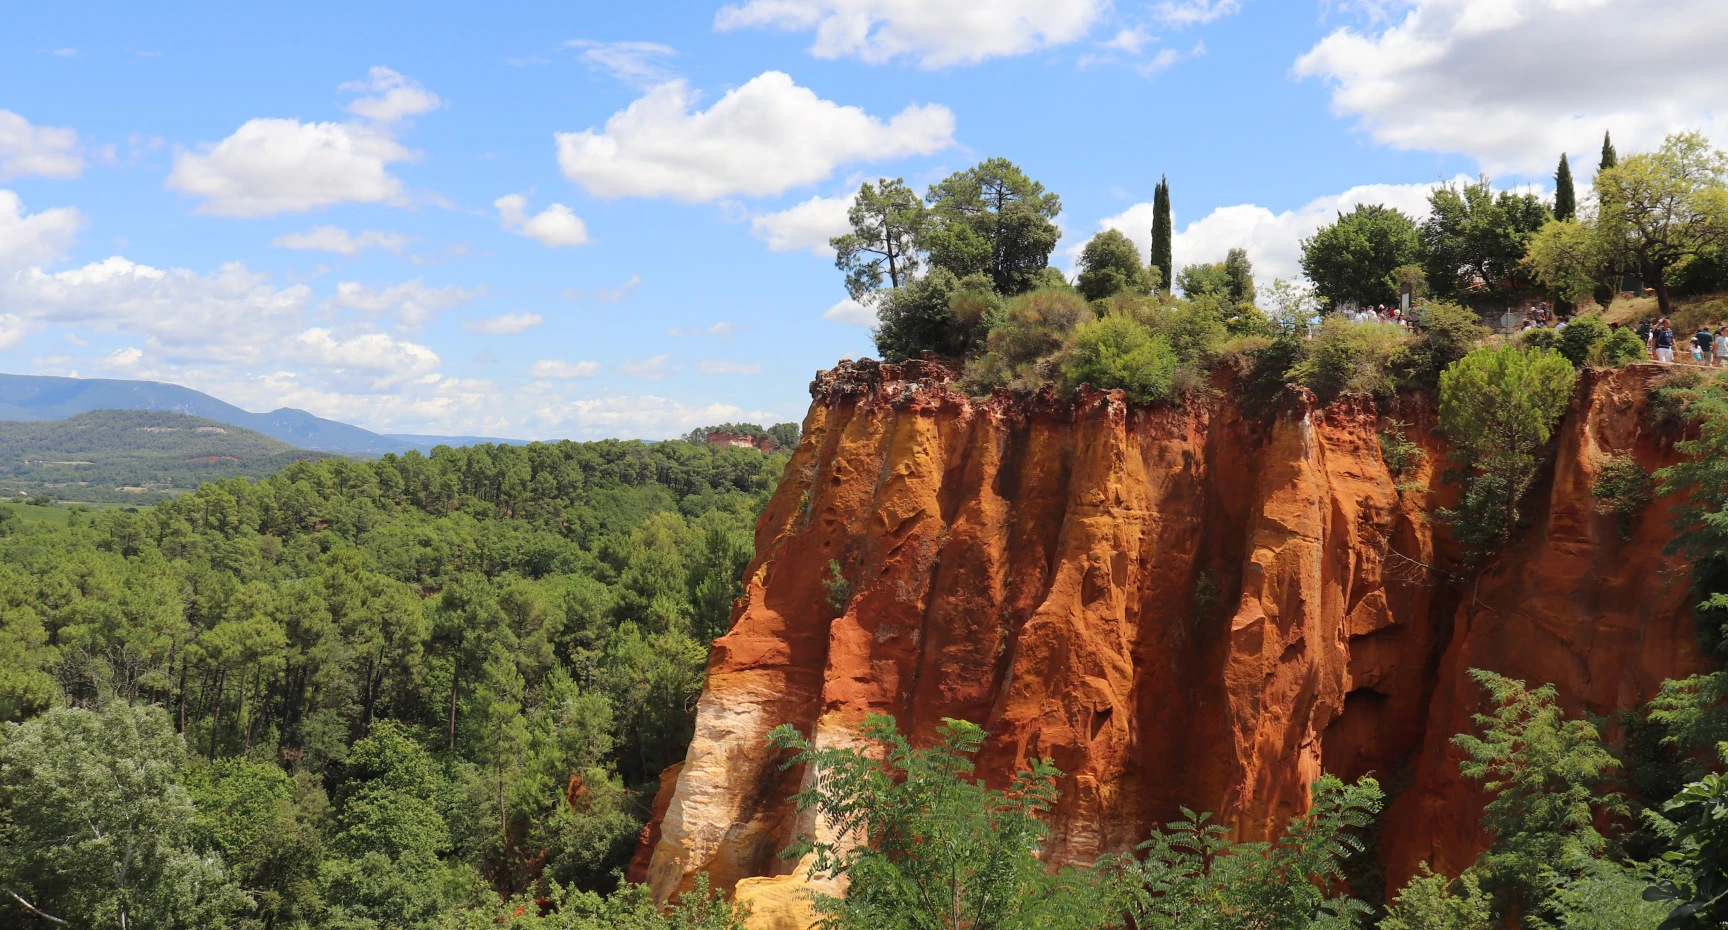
<point>39,397</point>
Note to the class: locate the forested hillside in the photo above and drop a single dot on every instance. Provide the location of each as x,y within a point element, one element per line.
<point>132,456</point>
<point>399,683</point>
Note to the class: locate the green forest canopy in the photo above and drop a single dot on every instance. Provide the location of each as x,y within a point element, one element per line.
<point>395,681</point>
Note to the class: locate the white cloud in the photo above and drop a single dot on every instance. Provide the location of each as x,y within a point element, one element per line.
<point>234,314</point>
<point>13,328</point>
<point>339,240</point>
<point>1197,12</point>
<point>635,63</point>
<point>413,303</point>
<point>937,33</point>
<point>808,225</point>
<point>1130,41</point>
<point>610,295</point>
<point>125,358</point>
<point>37,151</point>
<point>552,227</point>
<point>765,137</point>
<point>852,313</point>
<point>270,166</point>
<point>504,324</point>
<point>718,367</point>
<point>554,368</point>
<point>652,368</point>
<point>36,238</point>
<point>1508,82</point>
<point>386,361</point>
<point>1273,240</point>
<point>394,97</point>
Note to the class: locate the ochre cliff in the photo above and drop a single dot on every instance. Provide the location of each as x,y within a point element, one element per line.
<point>1182,607</point>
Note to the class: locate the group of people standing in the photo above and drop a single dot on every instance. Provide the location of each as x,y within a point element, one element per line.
<point>1707,348</point>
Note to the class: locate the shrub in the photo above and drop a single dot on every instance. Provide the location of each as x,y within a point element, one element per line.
<point>1622,488</point>
<point>1349,358</point>
<point>1023,337</point>
<point>838,590</point>
<point>1499,407</point>
<point>1579,337</point>
<point>937,313</point>
<point>1399,453</point>
<point>1446,333</point>
<point>1539,338</point>
<point>1621,348</point>
<point>1671,397</point>
<point>1119,351</point>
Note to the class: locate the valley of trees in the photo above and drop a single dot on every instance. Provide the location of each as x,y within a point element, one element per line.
<point>363,694</point>
<point>90,456</point>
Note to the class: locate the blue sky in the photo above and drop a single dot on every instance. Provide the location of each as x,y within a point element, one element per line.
<point>585,219</point>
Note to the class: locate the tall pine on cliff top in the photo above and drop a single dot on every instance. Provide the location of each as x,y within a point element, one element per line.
<point>1161,233</point>
<point>1565,198</point>
<point>1609,158</point>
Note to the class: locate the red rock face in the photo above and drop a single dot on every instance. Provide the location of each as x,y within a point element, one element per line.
<point>1189,607</point>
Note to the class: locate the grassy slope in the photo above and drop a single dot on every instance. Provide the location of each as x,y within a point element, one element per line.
<point>90,456</point>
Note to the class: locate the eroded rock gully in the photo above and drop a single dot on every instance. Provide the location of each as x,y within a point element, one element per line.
<point>1180,607</point>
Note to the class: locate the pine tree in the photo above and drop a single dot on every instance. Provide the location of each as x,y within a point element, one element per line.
<point>1565,198</point>
<point>1609,158</point>
<point>1161,233</point>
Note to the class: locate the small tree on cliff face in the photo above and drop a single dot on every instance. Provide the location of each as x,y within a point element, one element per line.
<point>1544,772</point>
<point>924,847</point>
<point>1499,406</point>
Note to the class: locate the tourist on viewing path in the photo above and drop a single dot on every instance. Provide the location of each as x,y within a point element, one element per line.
<point>1663,338</point>
<point>1722,347</point>
<point>1702,345</point>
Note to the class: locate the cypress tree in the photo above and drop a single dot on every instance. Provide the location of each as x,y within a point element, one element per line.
<point>1609,159</point>
<point>1161,233</point>
<point>1565,198</point>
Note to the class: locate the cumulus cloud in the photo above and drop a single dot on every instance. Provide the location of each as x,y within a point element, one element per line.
<point>651,368</point>
<point>233,314</point>
<point>384,360</point>
<point>552,227</point>
<point>504,324</point>
<point>562,370</point>
<point>718,367</point>
<point>638,64</point>
<point>935,33</point>
<point>391,97</point>
<point>808,225</point>
<point>1197,12</point>
<point>13,328</point>
<point>765,137</point>
<point>37,151</point>
<point>852,313</point>
<point>339,240</point>
<point>272,165</point>
<point>1509,82</point>
<point>412,302</point>
<point>35,238</point>
<point>1272,240</point>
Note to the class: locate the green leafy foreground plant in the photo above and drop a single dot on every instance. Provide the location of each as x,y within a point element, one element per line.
<point>1192,876</point>
<point>925,847</point>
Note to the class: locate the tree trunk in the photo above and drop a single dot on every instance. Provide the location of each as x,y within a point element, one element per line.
<point>1659,281</point>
